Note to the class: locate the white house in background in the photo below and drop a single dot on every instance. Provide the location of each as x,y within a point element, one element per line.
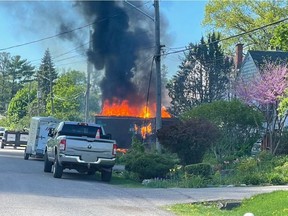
<point>251,65</point>
<point>254,60</point>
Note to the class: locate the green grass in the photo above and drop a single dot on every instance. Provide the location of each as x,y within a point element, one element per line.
<point>268,204</point>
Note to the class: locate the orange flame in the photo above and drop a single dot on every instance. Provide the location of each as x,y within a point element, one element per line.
<point>123,108</point>
<point>144,130</point>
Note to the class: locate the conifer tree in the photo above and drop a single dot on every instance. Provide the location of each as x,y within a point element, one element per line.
<point>203,76</point>
<point>46,75</point>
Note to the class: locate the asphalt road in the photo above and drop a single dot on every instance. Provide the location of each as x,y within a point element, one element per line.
<point>26,190</point>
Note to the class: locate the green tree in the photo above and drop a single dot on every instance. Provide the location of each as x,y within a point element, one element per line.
<point>5,90</point>
<point>239,126</point>
<point>280,37</point>
<point>235,17</point>
<point>203,76</point>
<point>68,93</point>
<point>14,72</point>
<point>19,71</point>
<point>176,91</point>
<point>22,104</point>
<point>45,76</point>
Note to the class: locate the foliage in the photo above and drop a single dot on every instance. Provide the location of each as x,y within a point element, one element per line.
<point>264,88</point>
<point>188,139</point>
<point>45,76</point>
<point>201,169</point>
<point>236,17</point>
<point>13,123</point>
<point>14,73</point>
<point>19,71</point>
<point>147,165</point>
<point>150,165</point>
<point>280,37</point>
<point>239,126</point>
<point>283,145</point>
<point>20,105</point>
<point>264,92</point>
<point>203,76</point>
<point>192,181</point>
<point>266,204</point>
<point>68,94</point>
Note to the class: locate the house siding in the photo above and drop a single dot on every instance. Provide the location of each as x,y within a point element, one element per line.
<point>248,69</point>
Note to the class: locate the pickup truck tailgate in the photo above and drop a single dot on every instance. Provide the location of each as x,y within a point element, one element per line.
<point>89,149</point>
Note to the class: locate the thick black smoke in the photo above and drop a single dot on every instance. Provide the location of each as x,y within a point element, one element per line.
<point>123,40</point>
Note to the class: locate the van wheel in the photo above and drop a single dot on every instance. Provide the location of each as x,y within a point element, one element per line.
<point>47,164</point>
<point>106,175</point>
<point>57,169</point>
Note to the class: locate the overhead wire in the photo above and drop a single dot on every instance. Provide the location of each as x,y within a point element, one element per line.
<point>59,34</point>
<point>230,37</point>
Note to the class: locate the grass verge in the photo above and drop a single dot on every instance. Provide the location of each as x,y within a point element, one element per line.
<point>274,203</point>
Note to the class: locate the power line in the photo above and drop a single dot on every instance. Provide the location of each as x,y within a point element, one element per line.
<point>70,63</point>
<point>67,58</point>
<point>59,34</point>
<point>230,37</point>
<point>62,54</point>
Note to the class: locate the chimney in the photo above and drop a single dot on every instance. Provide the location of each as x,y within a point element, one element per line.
<point>239,55</point>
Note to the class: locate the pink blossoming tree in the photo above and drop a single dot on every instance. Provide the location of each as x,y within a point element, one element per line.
<point>265,91</point>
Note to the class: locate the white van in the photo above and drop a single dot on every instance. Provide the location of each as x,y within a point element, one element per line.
<point>38,135</point>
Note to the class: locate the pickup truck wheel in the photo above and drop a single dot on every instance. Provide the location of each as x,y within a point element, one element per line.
<point>57,169</point>
<point>26,156</point>
<point>106,175</point>
<point>91,172</point>
<point>47,164</point>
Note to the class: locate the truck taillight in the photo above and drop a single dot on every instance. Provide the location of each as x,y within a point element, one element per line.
<point>62,145</point>
<point>114,151</point>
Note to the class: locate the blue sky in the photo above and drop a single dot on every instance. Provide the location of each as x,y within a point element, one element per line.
<point>183,25</point>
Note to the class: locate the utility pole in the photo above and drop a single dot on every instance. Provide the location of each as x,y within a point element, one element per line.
<point>157,56</point>
<point>158,71</point>
<point>51,91</point>
<point>89,69</point>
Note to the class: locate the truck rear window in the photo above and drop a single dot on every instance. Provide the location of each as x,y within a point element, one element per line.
<point>80,130</point>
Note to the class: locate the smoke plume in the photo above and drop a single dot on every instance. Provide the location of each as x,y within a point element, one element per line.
<point>122,43</point>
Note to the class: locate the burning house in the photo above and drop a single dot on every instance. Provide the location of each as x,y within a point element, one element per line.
<point>123,48</point>
<point>124,122</point>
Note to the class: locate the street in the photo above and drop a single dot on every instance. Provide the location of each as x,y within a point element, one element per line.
<point>26,190</point>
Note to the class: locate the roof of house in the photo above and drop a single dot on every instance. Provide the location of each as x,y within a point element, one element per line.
<point>262,57</point>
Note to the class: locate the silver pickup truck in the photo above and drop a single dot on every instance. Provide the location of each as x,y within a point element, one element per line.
<point>81,146</point>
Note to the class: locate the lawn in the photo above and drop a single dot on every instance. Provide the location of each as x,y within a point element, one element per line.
<point>268,204</point>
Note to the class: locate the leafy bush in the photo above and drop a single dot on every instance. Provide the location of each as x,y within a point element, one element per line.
<point>247,165</point>
<point>147,165</point>
<point>189,139</point>
<point>237,122</point>
<point>150,165</point>
<point>253,179</point>
<point>201,169</point>
<point>276,179</point>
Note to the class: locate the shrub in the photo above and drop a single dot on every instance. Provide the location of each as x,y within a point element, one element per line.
<point>147,165</point>
<point>201,169</point>
<point>276,179</point>
<point>247,165</point>
<point>253,179</point>
<point>150,165</point>
<point>188,139</point>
